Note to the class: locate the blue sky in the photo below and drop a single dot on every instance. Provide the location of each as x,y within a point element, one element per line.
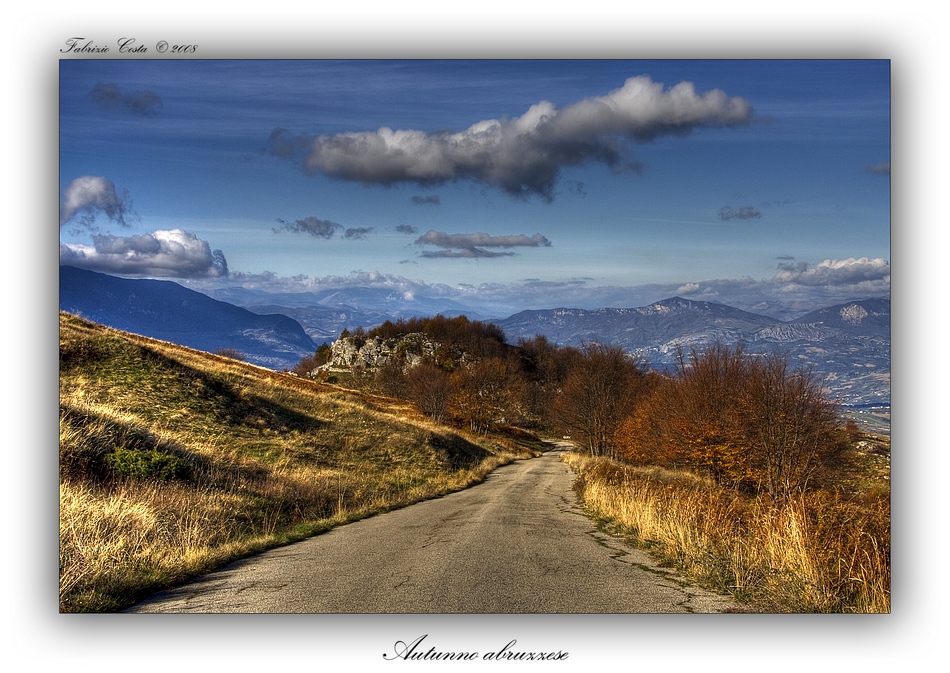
<point>502,184</point>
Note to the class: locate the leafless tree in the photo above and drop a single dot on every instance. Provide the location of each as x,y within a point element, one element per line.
<point>597,395</point>
<point>390,379</point>
<point>792,428</point>
<point>429,387</point>
<point>485,393</point>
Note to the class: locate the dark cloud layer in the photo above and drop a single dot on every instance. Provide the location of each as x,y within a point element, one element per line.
<point>474,245</point>
<point>311,225</point>
<point>521,156</point>
<point>357,232</point>
<point>322,228</point>
<point>465,253</point>
<point>727,213</point>
<point>108,97</point>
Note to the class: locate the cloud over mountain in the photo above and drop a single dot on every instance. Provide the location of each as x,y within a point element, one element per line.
<point>522,156</point>
<point>835,272</point>
<point>779,296</point>
<point>163,254</point>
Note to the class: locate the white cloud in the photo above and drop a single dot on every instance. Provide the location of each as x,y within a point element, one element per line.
<point>522,156</point>
<point>164,254</point>
<point>89,196</point>
<point>833,272</point>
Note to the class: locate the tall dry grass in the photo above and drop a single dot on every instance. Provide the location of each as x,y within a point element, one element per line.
<point>130,537</point>
<point>121,539</point>
<point>173,462</point>
<point>820,552</point>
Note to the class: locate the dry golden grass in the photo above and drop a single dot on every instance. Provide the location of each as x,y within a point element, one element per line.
<point>173,462</point>
<point>821,552</point>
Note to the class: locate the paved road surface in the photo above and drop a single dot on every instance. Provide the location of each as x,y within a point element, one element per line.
<point>517,543</point>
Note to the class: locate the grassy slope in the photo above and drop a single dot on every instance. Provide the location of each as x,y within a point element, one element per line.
<point>174,461</point>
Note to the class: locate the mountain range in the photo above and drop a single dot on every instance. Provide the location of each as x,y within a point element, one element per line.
<point>848,344</point>
<point>165,310</point>
<point>326,313</point>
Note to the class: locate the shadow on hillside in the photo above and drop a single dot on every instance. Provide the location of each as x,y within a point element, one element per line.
<point>230,403</point>
<point>456,451</point>
<point>88,438</point>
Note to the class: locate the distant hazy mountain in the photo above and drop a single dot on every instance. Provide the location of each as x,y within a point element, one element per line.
<point>167,311</point>
<point>325,314</point>
<point>847,344</point>
<point>867,316</point>
<point>658,328</point>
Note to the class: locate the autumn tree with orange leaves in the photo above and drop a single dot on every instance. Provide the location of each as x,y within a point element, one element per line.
<point>747,421</point>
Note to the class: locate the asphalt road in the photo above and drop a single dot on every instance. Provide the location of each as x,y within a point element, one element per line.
<point>517,543</point>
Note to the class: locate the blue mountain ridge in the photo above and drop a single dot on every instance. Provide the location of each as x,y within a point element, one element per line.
<point>167,311</point>
<point>847,345</point>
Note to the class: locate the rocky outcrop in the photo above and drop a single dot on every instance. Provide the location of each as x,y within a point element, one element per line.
<point>355,352</point>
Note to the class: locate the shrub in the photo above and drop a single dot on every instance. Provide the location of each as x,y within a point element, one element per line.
<point>149,464</point>
<point>310,362</point>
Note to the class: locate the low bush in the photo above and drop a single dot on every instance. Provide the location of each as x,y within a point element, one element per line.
<point>150,464</point>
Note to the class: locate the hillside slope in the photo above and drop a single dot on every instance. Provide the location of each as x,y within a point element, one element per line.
<point>167,311</point>
<point>173,461</point>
